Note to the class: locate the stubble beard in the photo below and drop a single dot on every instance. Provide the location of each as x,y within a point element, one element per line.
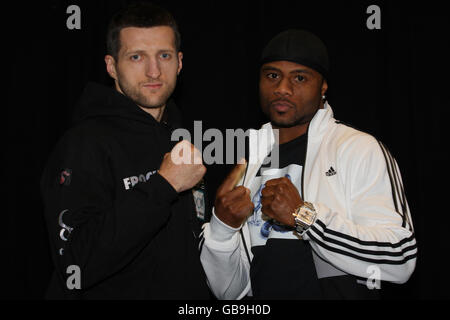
<point>295,120</point>
<point>290,123</point>
<point>134,93</point>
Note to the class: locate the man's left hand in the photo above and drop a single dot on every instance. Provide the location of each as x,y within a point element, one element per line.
<point>279,200</point>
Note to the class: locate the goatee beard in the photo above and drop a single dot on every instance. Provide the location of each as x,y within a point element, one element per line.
<point>290,124</point>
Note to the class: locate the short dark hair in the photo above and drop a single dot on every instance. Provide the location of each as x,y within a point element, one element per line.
<point>139,15</point>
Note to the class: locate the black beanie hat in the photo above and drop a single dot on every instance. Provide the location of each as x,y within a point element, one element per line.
<point>298,46</point>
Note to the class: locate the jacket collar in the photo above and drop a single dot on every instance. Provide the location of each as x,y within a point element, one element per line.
<point>319,124</point>
<point>263,140</point>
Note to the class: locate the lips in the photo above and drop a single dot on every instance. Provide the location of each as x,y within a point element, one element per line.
<point>281,106</point>
<point>153,85</point>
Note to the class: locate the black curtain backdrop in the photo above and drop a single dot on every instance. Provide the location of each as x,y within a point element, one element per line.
<point>391,83</point>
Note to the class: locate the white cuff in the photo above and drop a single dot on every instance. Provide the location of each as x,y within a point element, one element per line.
<point>219,230</point>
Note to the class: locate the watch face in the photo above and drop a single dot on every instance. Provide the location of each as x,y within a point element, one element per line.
<point>306,217</point>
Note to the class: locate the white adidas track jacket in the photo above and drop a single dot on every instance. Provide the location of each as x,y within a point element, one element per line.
<point>363,218</point>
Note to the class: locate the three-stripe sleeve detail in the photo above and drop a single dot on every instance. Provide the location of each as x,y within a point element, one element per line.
<point>368,251</point>
<point>398,191</point>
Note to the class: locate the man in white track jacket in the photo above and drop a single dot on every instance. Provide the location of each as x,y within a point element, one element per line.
<point>329,219</point>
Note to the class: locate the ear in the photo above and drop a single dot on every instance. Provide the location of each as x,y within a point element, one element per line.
<point>180,62</point>
<point>324,87</point>
<point>111,66</point>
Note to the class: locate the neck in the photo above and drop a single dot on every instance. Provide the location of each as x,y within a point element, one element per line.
<point>156,113</point>
<point>289,134</point>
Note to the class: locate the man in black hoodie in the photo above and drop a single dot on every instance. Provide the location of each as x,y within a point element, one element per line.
<point>118,202</point>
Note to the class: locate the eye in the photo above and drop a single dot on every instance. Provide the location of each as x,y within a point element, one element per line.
<point>299,78</point>
<point>165,56</point>
<point>272,75</point>
<point>135,57</point>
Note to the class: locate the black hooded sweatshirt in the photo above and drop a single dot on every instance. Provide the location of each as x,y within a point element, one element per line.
<point>112,219</point>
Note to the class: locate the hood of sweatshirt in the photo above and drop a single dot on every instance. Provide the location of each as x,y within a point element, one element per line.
<point>98,100</point>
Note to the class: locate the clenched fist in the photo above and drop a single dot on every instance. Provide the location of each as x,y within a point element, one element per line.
<point>183,167</point>
<point>279,200</point>
<point>233,204</point>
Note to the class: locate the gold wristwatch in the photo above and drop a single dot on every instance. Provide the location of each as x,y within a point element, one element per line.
<point>304,217</point>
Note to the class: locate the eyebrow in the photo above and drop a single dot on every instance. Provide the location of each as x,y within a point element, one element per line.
<point>269,68</point>
<point>143,51</point>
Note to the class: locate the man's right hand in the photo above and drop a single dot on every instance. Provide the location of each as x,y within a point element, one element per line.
<point>183,167</point>
<point>233,204</point>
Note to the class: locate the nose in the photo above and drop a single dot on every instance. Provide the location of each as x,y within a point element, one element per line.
<point>153,69</point>
<point>284,87</point>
